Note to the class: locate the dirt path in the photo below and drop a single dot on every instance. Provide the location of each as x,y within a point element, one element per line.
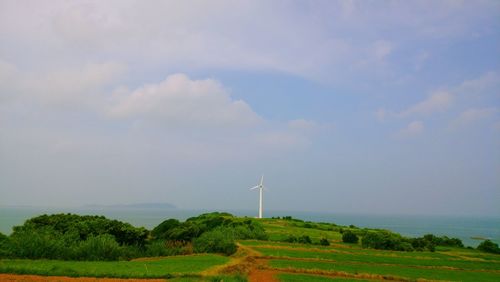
<point>263,275</point>
<point>37,278</point>
<point>245,262</point>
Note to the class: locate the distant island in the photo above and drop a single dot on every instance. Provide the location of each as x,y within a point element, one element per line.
<point>134,206</point>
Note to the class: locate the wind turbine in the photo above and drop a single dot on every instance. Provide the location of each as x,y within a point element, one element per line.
<point>260,187</point>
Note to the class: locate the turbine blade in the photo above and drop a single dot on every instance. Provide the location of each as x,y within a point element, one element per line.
<point>255,187</point>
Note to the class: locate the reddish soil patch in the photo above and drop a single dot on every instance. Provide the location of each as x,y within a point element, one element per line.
<point>262,275</point>
<point>36,278</point>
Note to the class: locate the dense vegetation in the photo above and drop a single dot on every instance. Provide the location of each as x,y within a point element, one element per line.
<point>349,237</point>
<point>489,247</point>
<point>286,245</point>
<point>162,268</point>
<point>75,237</point>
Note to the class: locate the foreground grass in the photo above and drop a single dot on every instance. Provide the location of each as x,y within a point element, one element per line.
<point>395,260</point>
<point>387,270</point>
<point>287,277</point>
<point>218,278</point>
<point>349,249</point>
<point>280,229</point>
<point>162,268</point>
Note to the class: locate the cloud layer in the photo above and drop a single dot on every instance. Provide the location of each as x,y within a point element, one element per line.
<point>179,101</point>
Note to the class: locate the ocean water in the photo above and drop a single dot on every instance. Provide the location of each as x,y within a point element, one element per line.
<point>461,227</point>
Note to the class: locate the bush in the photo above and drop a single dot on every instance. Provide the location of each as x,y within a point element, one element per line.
<point>43,243</point>
<point>304,239</point>
<point>4,242</point>
<point>421,244</point>
<point>386,241</point>
<point>161,231</point>
<point>215,241</point>
<point>489,247</point>
<point>161,248</point>
<point>324,242</point>
<point>349,237</point>
<point>443,241</point>
<point>100,247</point>
<point>85,226</point>
<point>196,226</point>
<point>290,239</point>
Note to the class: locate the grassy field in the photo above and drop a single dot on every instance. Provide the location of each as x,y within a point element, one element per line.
<point>160,268</point>
<point>354,249</point>
<point>350,262</point>
<point>261,260</point>
<point>389,271</point>
<point>280,229</point>
<point>314,278</point>
<point>395,260</point>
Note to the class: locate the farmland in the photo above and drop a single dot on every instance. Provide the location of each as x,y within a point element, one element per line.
<point>317,253</point>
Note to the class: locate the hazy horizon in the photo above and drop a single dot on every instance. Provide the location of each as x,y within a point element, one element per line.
<point>344,106</point>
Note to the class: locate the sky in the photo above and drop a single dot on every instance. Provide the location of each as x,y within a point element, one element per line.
<point>389,107</point>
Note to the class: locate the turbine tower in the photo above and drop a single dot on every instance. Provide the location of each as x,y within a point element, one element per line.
<point>260,187</point>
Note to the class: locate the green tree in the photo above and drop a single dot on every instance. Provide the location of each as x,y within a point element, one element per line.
<point>216,241</point>
<point>489,247</point>
<point>349,237</point>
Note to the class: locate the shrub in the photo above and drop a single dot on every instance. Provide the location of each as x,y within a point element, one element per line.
<point>248,230</point>
<point>215,241</point>
<point>421,244</point>
<point>324,242</point>
<point>160,248</point>
<point>196,226</point>
<point>290,239</point>
<point>443,241</point>
<point>161,231</point>
<point>157,249</point>
<point>349,237</point>
<point>86,226</point>
<point>489,247</point>
<point>4,242</point>
<point>43,243</point>
<point>304,239</point>
<point>100,247</point>
<point>385,241</point>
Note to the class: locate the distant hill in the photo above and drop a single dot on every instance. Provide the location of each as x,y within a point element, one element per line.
<point>135,206</point>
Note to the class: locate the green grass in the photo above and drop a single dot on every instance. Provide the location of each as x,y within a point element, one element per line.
<point>218,278</point>
<point>363,258</point>
<point>287,277</point>
<point>349,248</point>
<point>388,270</point>
<point>280,229</point>
<point>162,268</point>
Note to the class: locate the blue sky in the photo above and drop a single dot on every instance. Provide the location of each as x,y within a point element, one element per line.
<point>345,106</point>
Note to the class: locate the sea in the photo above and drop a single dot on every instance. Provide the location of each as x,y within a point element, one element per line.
<point>470,229</point>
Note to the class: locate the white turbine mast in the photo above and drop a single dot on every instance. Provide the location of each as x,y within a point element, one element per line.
<point>260,187</point>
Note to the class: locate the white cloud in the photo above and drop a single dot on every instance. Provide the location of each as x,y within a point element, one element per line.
<point>302,124</point>
<point>421,59</point>
<point>442,100</point>
<point>80,86</point>
<point>9,76</point>
<point>323,40</point>
<point>381,114</point>
<point>179,100</point>
<point>471,116</point>
<point>382,49</point>
<point>478,86</point>
<point>414,128</point>
<point>438,101</point>
<point>496,126</point>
